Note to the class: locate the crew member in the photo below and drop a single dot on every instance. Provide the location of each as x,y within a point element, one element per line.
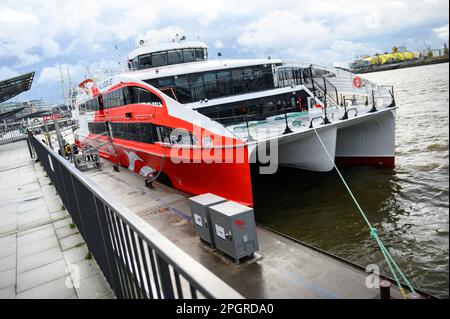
<point>68,150</point>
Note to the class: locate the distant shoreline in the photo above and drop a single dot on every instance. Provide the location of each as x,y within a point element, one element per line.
<point>395,66</point>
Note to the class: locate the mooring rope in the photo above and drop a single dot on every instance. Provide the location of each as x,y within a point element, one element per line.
<point>394,268</point>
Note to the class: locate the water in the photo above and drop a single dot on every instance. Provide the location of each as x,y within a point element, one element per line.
<point>409,205</point>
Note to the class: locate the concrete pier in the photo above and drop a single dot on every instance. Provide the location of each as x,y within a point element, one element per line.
<point>286,269</point>
<point>42,255</point>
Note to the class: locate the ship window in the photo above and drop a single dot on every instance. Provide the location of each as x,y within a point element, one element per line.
<point>137,95</point>
<point>163,133</point>
<point>209,77</point>
<point>145,61</point>
<point>159,59</point>
<point>92,105</point>
<point>188,55</point>
<point>236,81</point>
<point>223,82</point>
<point>96,127</point>
<point>183,91</point>
<point>200,54</point>
<point>182,137</point>
<point>210,84</point>
<point>226,112</point>
<point>114,98</point>
<point>165,82</point>
<point>82,108</point>
<point>147,133</point>
<point>175,56</point>
<point>197,91</point>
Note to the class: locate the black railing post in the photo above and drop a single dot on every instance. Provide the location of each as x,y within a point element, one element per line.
<point>345,116</point>
<point>325,120</point>
<point>250,138</point>
<point>393,103</point>
<point>374,107</point>
<point>287,130</point>
<point>166,280</point>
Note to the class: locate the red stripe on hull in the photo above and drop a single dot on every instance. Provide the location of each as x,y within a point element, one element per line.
<point>384,161</point>
<point>229,180</point>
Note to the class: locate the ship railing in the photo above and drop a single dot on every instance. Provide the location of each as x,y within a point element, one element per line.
<point>249,118</point>
<point>343,80</point>
<point>136,260</point>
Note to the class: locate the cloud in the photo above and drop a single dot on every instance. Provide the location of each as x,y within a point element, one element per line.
<point>50,48</point>
<point>442,32</point>
<point>11,16</point>
<point>281,29</point>
<point>25,59</point>
<point>51,75</point>
<point>218,44</point>
<point>6,73</point>
<point>159,35</point>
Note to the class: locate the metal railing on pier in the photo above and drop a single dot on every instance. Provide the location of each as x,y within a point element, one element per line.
<point>12,136</point>
<point>137,261</point>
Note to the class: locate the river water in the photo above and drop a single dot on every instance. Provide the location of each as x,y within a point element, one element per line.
<point>409,205</point>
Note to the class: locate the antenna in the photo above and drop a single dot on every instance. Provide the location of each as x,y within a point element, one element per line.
<point>118,55</point>
<point>62,82</point>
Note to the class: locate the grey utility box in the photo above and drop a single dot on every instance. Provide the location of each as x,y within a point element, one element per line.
<point>201,218</point>
<point>234,229</point>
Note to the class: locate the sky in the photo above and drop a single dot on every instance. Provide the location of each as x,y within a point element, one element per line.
<point>82,36</point>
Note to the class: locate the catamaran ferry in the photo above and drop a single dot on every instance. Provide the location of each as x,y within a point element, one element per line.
<point>199,124</point>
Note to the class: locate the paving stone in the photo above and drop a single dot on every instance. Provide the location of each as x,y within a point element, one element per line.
<point>8,250</point>
<point>8,228</point>
<point>93,287</point>
<point>41,275</point>
<point>66,232</point>
<point>33,218</point>
<point>37,246</point>
<point>7,278</point>
<point>59,215</point>
<point>62,223</point>
<point>75,254</point>
<point>26,232</point>
<point>55,289</point>
<point>7,240</point>
<point>8,292</point>
<point>39,259</point>
<point>8,219</point>
<point>109,296</point>
<point>71,241</point>
<point>86,268</point>
<point>7,263</point>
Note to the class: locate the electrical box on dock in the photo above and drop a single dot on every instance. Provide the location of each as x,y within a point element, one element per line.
<point>201,218</point>
<point>234,229</point>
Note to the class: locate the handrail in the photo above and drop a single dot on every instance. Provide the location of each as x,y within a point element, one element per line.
<point>117,237</point>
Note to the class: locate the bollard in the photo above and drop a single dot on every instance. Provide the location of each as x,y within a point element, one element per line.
<point>385,289</point>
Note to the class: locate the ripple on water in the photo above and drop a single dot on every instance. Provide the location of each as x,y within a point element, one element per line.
<point>436,147</point>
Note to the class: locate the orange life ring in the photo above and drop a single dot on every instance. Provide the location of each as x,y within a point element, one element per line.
<point>357,82</point>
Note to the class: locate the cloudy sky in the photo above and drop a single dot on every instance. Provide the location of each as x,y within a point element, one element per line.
<point>39,35</point>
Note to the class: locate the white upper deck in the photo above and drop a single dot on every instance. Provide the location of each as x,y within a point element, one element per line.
<point>148,47</point>
<point>194,67</point>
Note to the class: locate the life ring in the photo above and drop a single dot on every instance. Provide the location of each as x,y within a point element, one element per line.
<point>357,82</point>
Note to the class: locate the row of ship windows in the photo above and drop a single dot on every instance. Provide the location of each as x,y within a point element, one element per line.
<point>188,88</point>
<point>158,59</point>
<point>256,109</point>
<point>119,97</point>
<point>143,132</point>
